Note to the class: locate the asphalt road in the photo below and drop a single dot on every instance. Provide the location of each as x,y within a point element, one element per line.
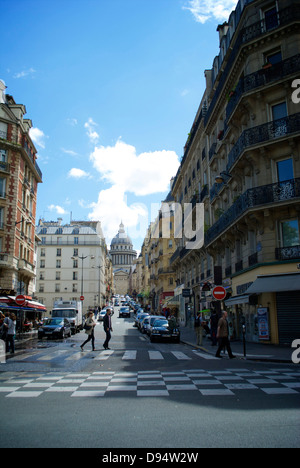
<point>143,395</point>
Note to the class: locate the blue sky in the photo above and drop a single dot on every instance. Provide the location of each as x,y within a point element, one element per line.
<point>112,88</point>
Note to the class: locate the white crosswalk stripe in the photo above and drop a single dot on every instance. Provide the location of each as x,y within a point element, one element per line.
<point>181,356</point>
<point>205,355</point>
<point>125,355</point>
<point>104,355</point>
<point>129,355</point>
<point>155,355</point>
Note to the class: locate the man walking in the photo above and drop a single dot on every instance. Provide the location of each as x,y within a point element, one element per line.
<point>223,336</point>
<point>107,328</point>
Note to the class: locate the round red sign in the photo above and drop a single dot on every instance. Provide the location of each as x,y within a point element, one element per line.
<point>219,293</point>
<point>20,300</point>
<point>82,298</point>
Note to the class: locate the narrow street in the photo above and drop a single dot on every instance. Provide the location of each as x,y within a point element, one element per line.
<point>140,394</point>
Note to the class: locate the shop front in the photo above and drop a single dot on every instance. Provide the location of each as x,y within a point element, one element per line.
<point>28,316</point>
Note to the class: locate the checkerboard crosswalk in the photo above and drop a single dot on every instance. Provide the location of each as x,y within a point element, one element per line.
<point>227,382</point>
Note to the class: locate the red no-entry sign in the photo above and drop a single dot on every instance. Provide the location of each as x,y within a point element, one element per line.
<point>20,300</point>
<point>219,293</point>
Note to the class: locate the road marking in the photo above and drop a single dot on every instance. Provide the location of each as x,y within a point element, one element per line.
<point>104,355</point>
<point>155,355</point>
<point>49,357</point>
<point>129,355</point>
<point>204,355</point>
<point>180,356</point>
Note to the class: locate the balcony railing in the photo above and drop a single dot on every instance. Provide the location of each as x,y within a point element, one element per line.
<point>261,134</point>
<point>258,196</point>
<point>288,253</point>
<point>248,34</point>
<point>262,78</point>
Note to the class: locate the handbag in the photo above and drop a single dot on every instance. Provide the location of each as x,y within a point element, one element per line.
<point>86,327</point>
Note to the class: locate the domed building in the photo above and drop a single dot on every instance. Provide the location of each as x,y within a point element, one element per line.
<point>123,256</point>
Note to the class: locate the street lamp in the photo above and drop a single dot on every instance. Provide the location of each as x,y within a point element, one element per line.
<point>99,284</point>
<point>220,179</point>
<point>82,258</point>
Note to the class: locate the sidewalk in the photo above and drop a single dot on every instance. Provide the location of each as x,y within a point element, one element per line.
<point>254,351</point>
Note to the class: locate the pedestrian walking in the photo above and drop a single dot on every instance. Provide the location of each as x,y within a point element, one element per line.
<point>9,325</point>
<point>223,336</point>
<point>199,329</point>
<point>90,329</point>
<point>107,325</point>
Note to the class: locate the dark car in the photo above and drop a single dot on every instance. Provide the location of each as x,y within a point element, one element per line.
<point>55,328</point>
<point>161,331</point>
<point>124,312</point>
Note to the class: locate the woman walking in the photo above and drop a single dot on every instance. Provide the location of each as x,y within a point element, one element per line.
<point>90,324</point>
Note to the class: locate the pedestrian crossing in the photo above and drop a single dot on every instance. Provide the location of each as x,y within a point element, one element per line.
<point>125,355</point>
<point>201,382</point>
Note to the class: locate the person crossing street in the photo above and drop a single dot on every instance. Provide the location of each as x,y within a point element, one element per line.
<point>107,325</point>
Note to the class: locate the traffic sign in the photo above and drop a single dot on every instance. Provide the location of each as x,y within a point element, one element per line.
<point>219,293</point>
<point>82,298</point>
<point>20,300</point>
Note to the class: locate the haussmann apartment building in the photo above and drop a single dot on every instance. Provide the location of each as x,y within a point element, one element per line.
<point>241,160</point>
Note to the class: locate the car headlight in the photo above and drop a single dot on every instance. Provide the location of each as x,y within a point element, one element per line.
<point>57,329</point>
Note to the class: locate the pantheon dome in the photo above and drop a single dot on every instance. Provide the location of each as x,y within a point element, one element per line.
<point>121,251</point>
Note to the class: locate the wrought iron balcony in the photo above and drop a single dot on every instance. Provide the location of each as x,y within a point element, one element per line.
<point>262,78</point>
<point>258,196</point>
<point>288,253</point>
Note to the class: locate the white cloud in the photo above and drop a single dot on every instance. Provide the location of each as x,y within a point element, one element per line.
<point>70,152</point>
<point>24,73</point>
<point>143,174</point>
<point>128,172</point>
<point>73,122</point>
<point>203,10</point>
<point>59,209</point>
<point>78,173</point>
<point>37,136</point>
<point>91,132</point>
<point>112,208</point>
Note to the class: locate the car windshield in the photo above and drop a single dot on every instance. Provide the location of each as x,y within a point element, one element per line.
<point>124,308</point>
<point>54,321</point>
<point>154,319</point>
<point>161,323</point>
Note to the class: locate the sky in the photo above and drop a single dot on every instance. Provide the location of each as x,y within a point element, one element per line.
<point>112,88</point>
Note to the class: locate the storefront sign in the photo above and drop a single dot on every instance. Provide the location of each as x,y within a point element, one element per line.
<point>263,323</point>
<point>186,293</point>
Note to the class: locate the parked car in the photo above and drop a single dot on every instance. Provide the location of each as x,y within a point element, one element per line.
<point>57,327</point>
<point>148,321</point>
<point>124,312</point>
<point>161,330</point>
<point>141,318</point>
<point>101,315</point>
<point>137,318</point>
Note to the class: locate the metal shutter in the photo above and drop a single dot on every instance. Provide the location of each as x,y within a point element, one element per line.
<point>288,314</point>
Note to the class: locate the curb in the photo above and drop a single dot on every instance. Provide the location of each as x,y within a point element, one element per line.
<point>255,359</point>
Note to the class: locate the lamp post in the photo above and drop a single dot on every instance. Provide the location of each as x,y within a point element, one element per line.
<point>82,258</point>
<point>220,179</point>
<point>99,284</point>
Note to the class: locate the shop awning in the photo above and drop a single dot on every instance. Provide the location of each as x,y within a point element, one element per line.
<point>242,299</point>
<point>9,302</point>
<point>275,283</point>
